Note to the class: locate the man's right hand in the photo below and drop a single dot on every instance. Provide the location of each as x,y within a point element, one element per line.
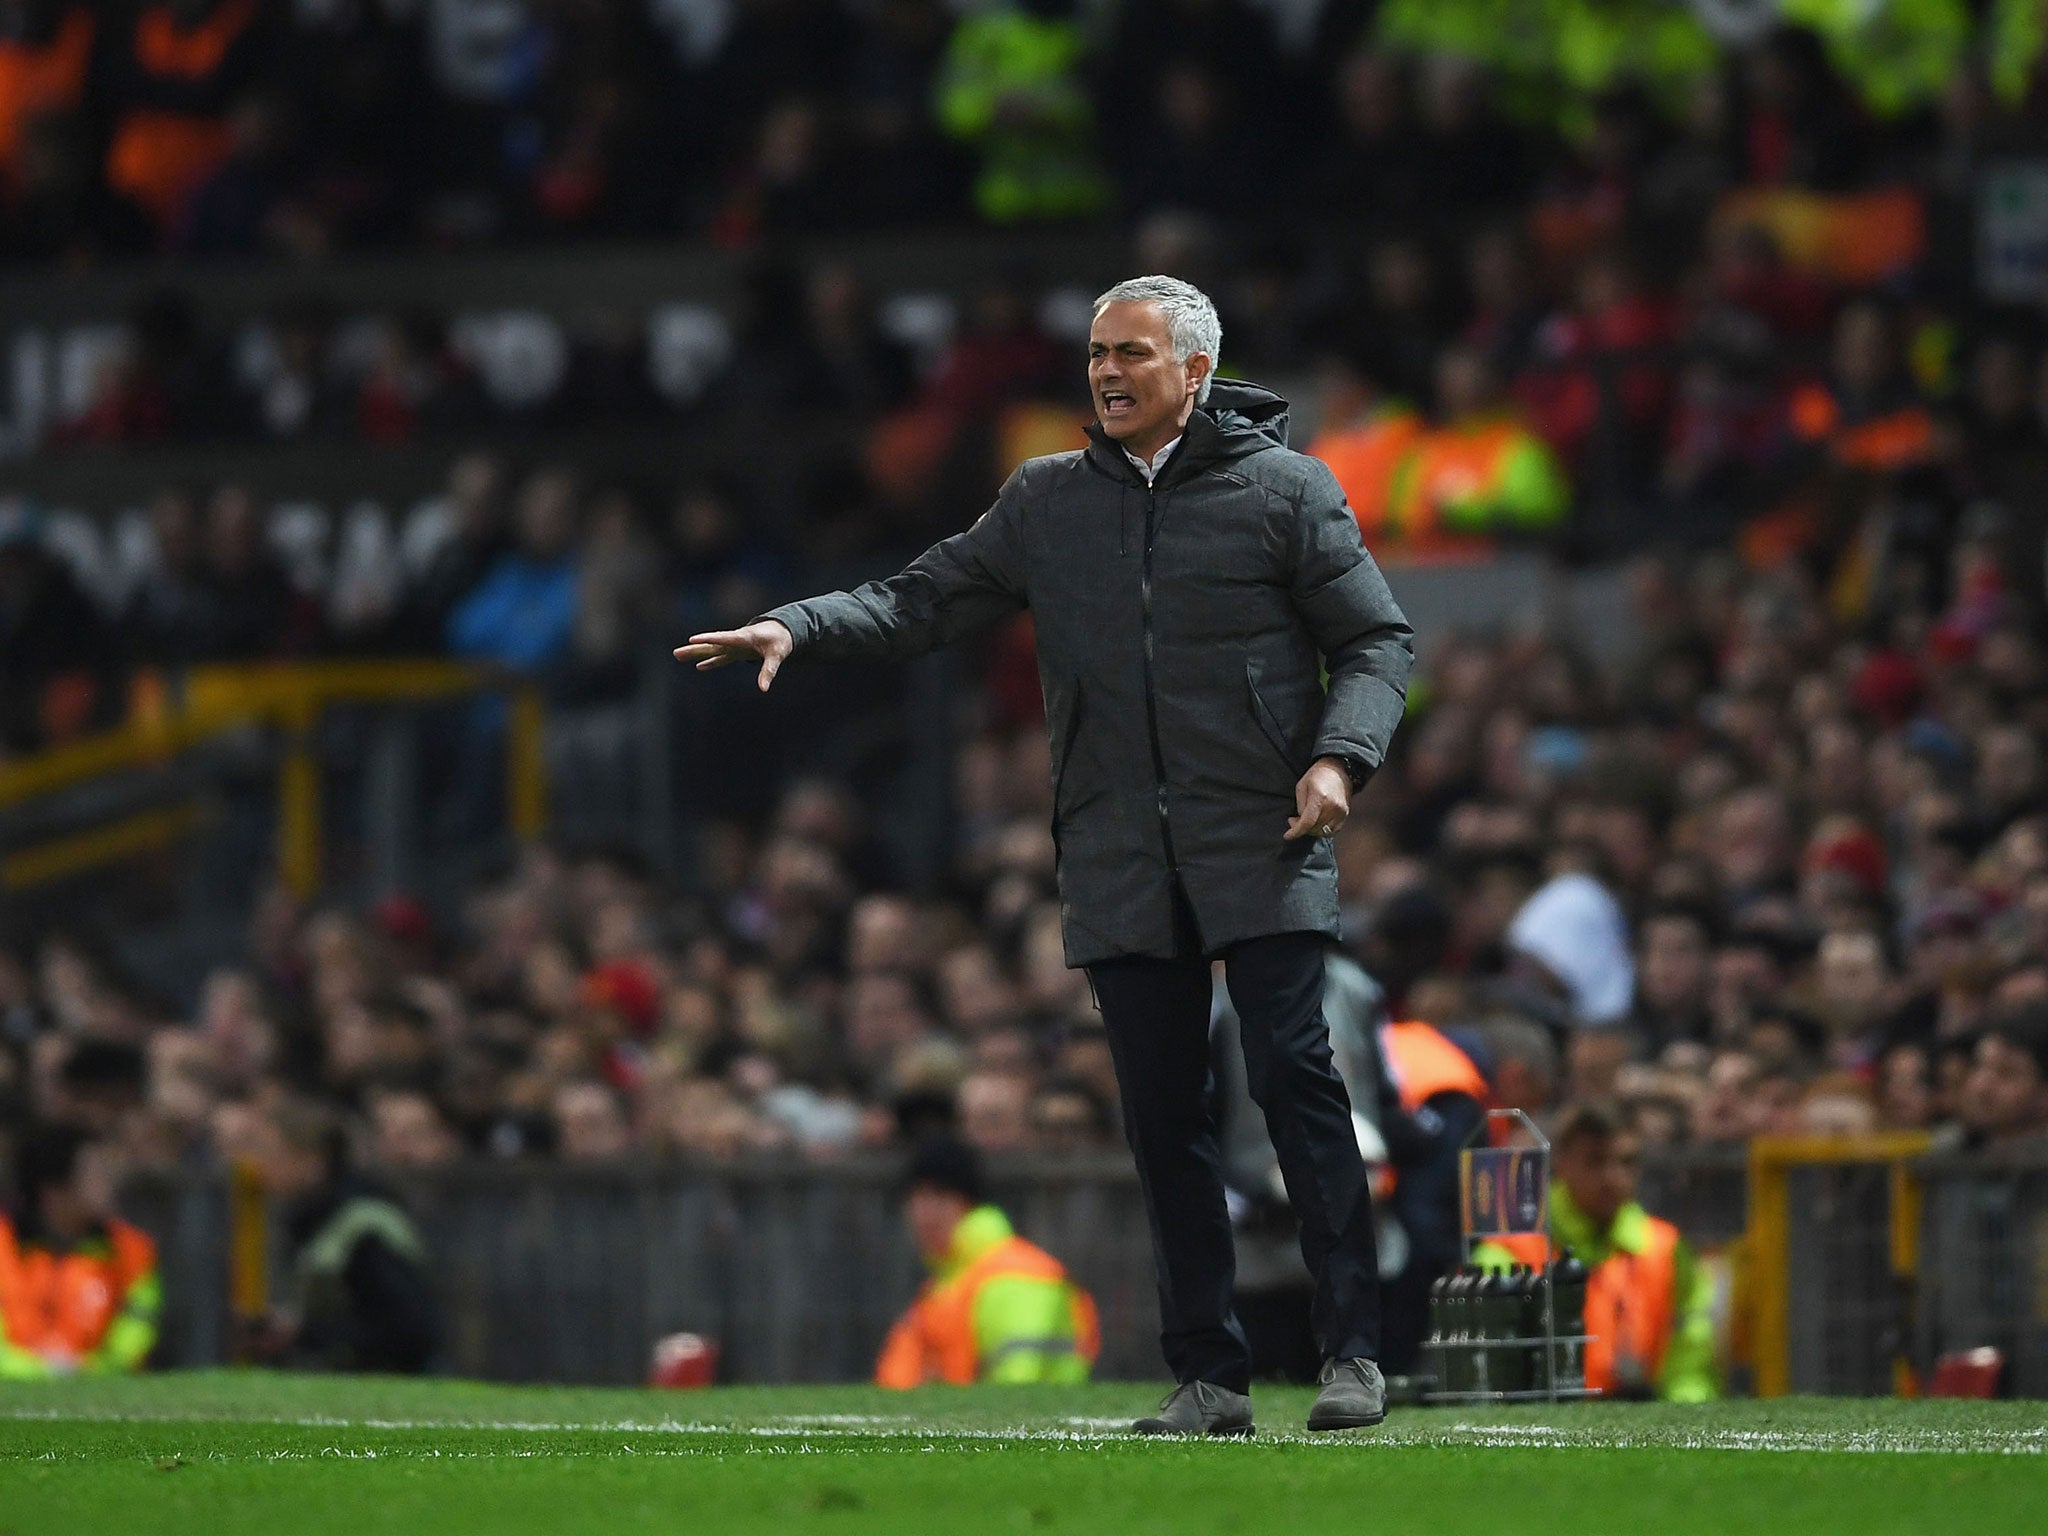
<point>765,638</point>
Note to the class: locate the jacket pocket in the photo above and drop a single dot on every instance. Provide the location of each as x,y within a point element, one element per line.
<point>1066,734</point>
<point>1269,724</point>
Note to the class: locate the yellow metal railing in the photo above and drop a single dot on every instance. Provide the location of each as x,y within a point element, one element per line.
<point>1768,1240</point>
<point>289,698</point>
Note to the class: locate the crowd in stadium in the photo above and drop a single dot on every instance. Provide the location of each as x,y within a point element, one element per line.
<point>1787,871</point>
<point>1785,868</point>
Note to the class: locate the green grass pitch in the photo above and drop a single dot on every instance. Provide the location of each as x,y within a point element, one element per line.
<point>222,1453</point>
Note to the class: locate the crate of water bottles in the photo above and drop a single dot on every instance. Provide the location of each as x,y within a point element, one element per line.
<point>1508,1332</point>
<point>1505,1336</point>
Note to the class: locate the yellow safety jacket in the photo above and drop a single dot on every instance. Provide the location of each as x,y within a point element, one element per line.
<point>1041,165</point>
<point>999,1309</point>
<point>1649,1305</point>
<point>1464,483</point>
<point>92,1308</point>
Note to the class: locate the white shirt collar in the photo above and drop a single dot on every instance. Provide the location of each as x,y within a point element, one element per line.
<point>1151,471</point>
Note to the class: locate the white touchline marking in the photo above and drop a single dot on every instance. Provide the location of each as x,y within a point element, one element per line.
<point>1082,1431</point>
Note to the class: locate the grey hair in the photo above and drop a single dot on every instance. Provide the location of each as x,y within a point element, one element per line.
<point>1191,322</point>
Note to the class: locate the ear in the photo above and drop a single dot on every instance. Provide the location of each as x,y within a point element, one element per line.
<point>1199,366</point>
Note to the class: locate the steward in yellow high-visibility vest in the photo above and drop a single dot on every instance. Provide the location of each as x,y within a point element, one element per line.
<point>1896,56</point>
<point>1364,437</point>
<point>79,1289</point>
<point>1482,473</point>
<point>997,1309</point>
<point>1649,1305</point>
<point>1011,85</point>
<point>2014,34</point>
<point>1554,58</point>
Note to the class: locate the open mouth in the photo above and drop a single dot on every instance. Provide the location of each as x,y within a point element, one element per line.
<point>1116,403</point>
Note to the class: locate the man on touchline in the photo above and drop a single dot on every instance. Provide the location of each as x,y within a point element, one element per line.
<point>1191,582</point>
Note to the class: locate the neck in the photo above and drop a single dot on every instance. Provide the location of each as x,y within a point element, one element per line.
<point>1147,447</point>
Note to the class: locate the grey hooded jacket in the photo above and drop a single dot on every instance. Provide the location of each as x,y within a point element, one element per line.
<point>1184,630</point>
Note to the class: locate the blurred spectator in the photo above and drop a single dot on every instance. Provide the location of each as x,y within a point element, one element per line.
<point>1867,415</point>
<point>1573,930</point>
<point>2005,1097</point>
<point>59,675</point>
<point>1068,1116</point>
<point>996,1110</point>
<point>360,1297</point>
<point>407,1131</point>
<point>248,609</point>
<point>1371,168</point>
<point>1673,978</point>
<point>522,612</point>
<point>590,1122</point>
<point>449,545</point>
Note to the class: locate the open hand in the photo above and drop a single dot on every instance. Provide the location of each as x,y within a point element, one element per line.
<point>1321,800</point>
<point>765,638</point>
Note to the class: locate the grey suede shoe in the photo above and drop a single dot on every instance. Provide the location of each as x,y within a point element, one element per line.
<point>1354,1396</point>
<point>1200,1408</point>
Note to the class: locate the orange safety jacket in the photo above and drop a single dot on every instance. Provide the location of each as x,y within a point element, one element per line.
<point>159,156</point>
<point>936,1340</point>
<point>1365,457</point>
<point>1421,1061</point>
<point>1889,440</point>
<point>1464,482</point>
<point>1631,1299</point>
<point>39,78</point>
<point>65,1302</point>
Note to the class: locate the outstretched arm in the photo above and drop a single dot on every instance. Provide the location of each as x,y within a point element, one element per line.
<point>959,585</point>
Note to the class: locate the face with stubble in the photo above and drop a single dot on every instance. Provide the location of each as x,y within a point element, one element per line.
<point>1143,394</point>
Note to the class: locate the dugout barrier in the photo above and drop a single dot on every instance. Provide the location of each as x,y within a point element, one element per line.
<point>1847,1265</point>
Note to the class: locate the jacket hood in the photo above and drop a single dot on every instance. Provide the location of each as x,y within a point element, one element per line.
<point>1248,416</point>
<point>1238,419</point>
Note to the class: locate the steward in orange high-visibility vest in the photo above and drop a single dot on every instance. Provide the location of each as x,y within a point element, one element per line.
<point>1364,436</point>
<point>43,64</point>
<point>1442,1100</point>
<point>1648,1303</point>
<point>1421,1061</point>
<point>1868,415</point>
<point>79,1289</point>
<point>181,69</point>
<point>1881,439</point>
<point>1480,475</point>
<point>997,1309</point>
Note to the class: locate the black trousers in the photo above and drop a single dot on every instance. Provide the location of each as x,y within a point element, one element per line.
<point>1156,1013</point>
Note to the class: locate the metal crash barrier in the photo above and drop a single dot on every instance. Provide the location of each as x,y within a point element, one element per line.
<point>142,788</point>
<point>1857,1262</point>
<point>1984,1263</point>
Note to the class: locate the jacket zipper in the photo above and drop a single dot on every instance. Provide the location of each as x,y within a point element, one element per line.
<point>1152,703</point>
